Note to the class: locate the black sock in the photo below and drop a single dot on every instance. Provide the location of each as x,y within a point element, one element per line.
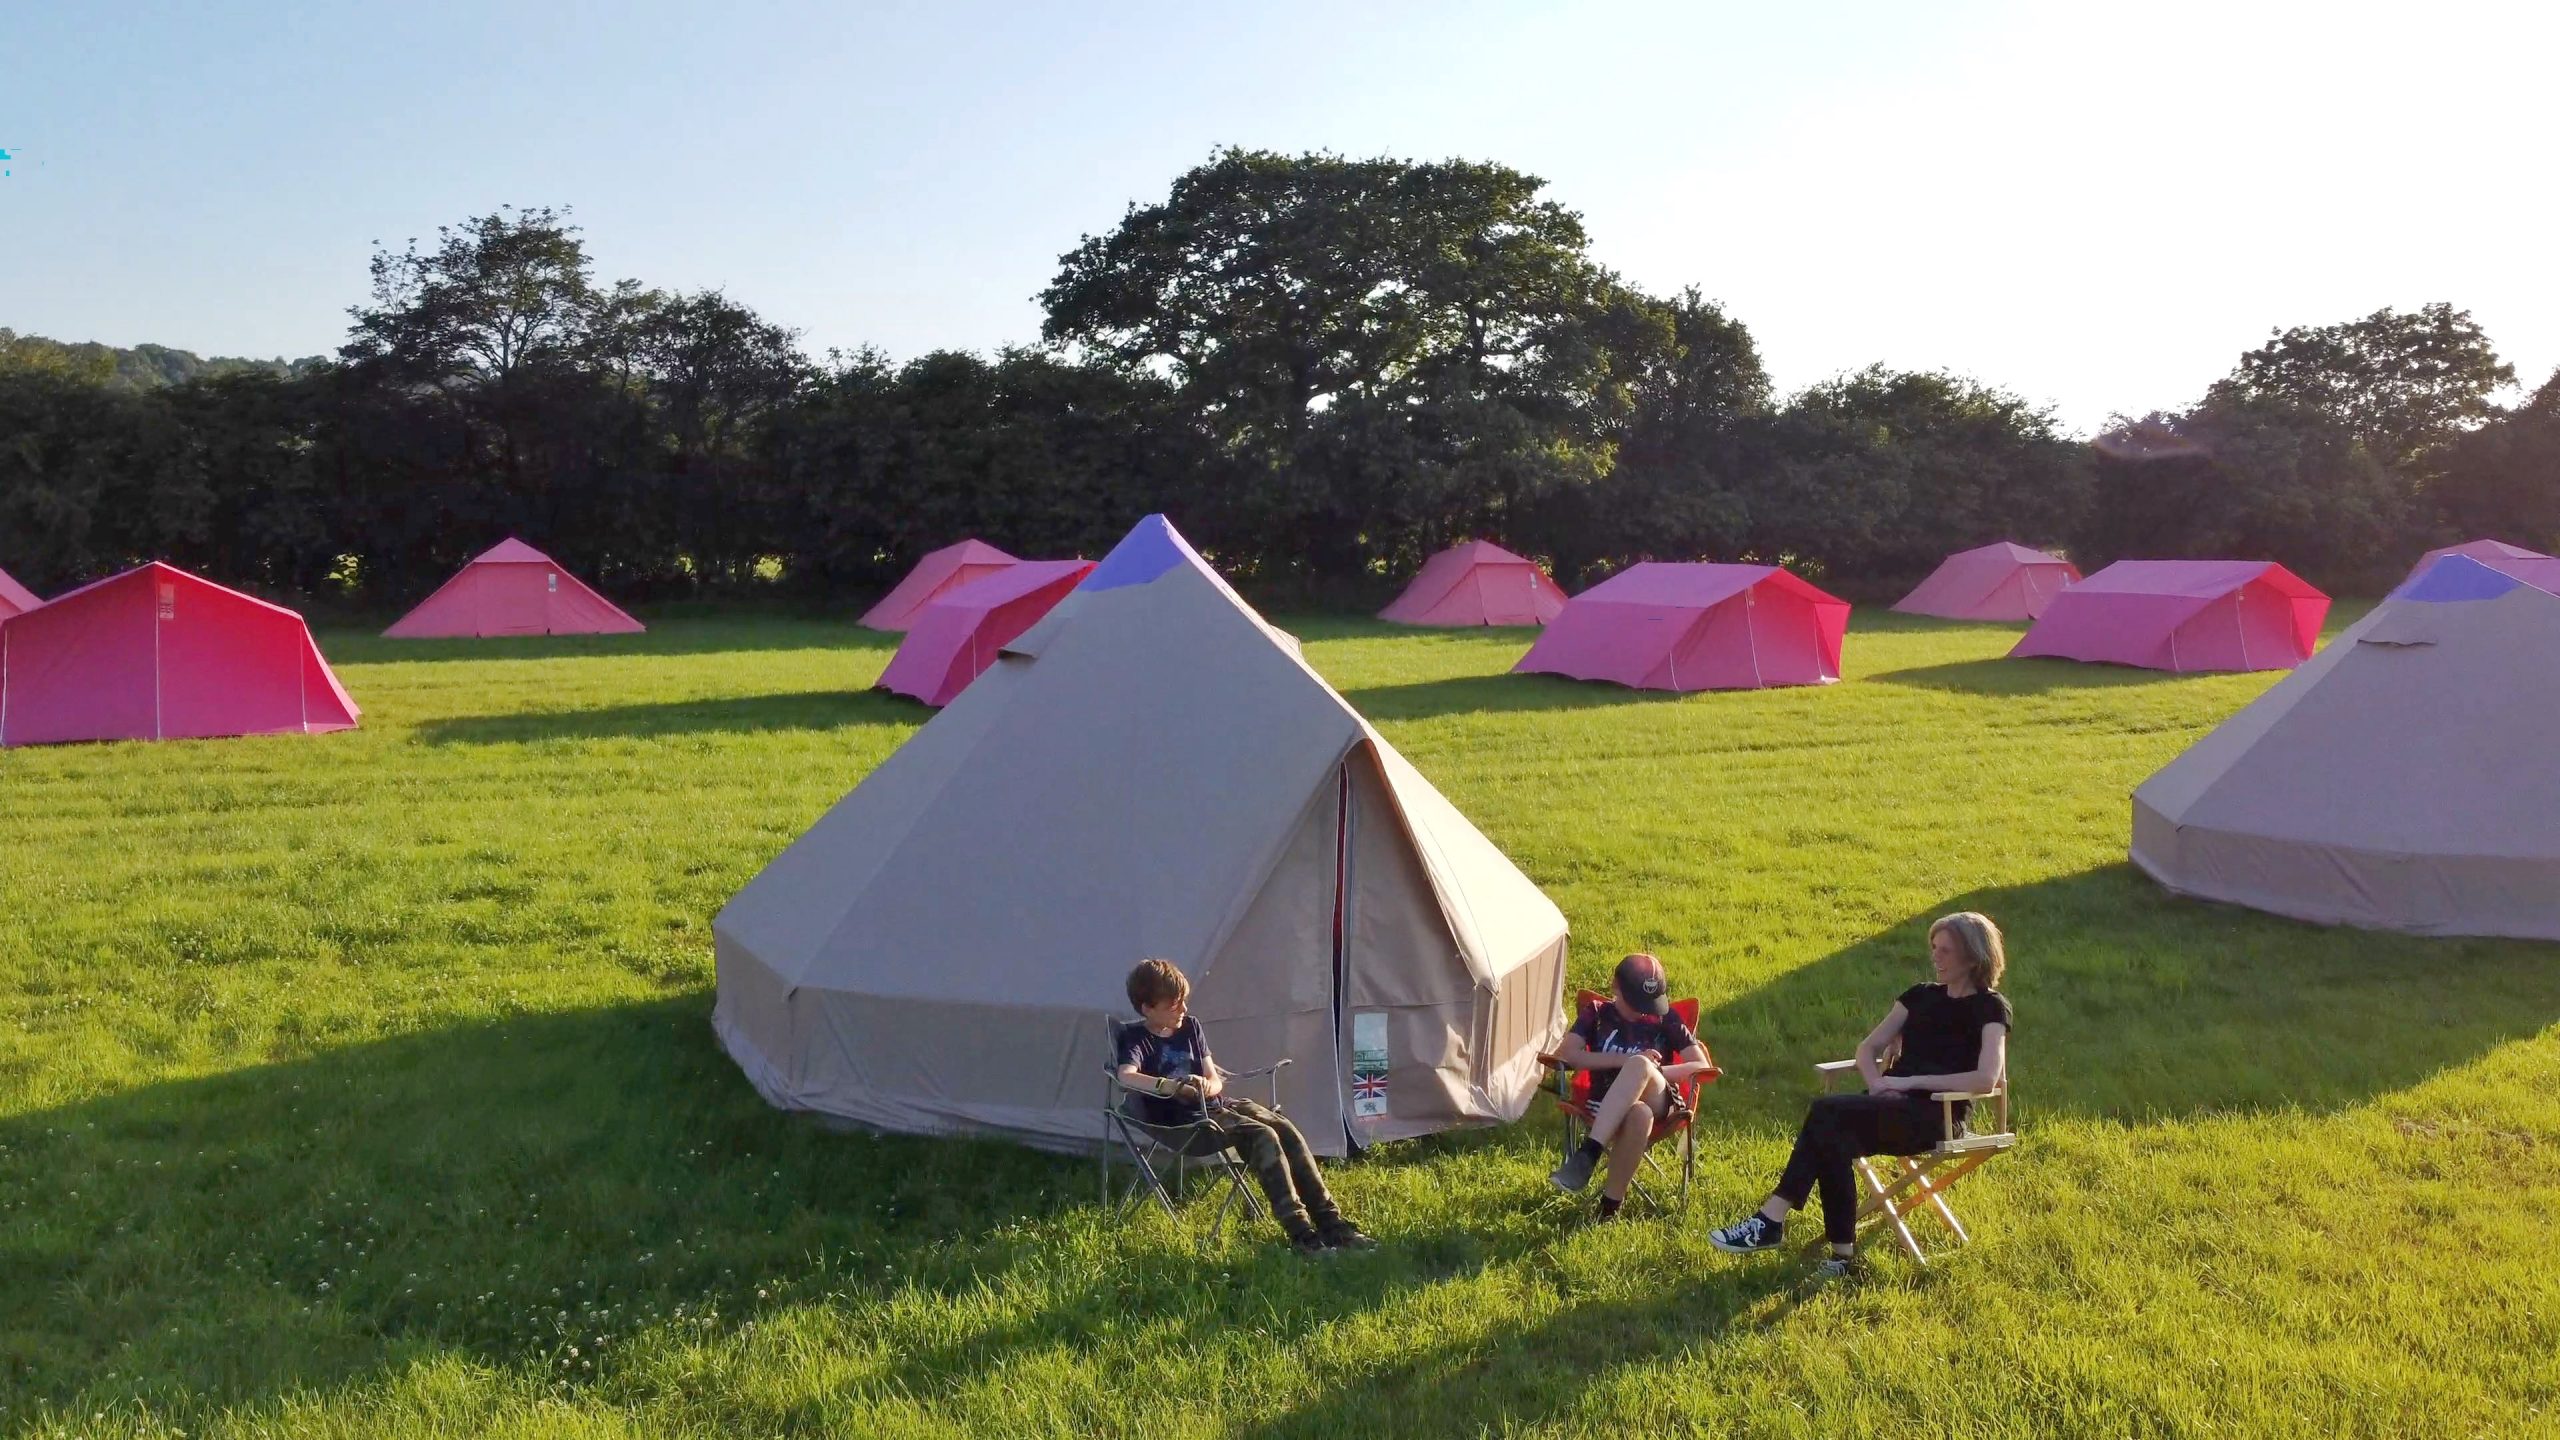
<point>1609,1206</point>
<point>1593,1150</point>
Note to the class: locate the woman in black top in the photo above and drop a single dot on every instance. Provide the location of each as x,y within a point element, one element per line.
<point>1954,1035</point>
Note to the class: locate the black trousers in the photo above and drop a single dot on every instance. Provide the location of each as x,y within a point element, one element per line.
<point>1836,1132</point>
<point>1272,1148</point>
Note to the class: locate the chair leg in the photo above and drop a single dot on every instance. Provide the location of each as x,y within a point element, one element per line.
<point>1883,1197</point>
<point>1688,1164</point>
<point>1937,1197</point>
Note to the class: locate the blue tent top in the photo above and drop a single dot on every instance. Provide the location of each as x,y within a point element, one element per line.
<point>2456,577</point>
<point>1151,547</point>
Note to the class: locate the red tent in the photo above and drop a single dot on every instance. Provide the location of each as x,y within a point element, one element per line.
<point>1995,582</point>
<point>935,573</point>
<point>513,589</point>
<point>158,654</point>
<point>2184,615</point>
<point>15,599</point>
<point>1477,583</point>
<point>957,637</point>
<point>1695,627</point>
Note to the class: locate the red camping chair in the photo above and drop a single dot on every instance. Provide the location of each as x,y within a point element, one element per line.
<point>1575,1100</point>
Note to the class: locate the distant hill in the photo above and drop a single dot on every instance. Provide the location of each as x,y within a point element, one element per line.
<point>144,367</point>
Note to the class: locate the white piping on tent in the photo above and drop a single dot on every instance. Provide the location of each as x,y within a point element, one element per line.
<point>157,585</point>
<point>1751,632</point>
<point>1342,932</point>
<point>2240,620</point>
<point>4,685</point>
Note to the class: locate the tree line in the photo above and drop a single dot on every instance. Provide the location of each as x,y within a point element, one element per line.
<point>1322,368</point>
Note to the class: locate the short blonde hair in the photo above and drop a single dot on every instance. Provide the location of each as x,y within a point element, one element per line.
<point>1980,941</point>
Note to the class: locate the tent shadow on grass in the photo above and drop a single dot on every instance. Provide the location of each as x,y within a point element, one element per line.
<point>740,715</point>
<point>324,1221</point>
<point>2158,1007</point>
<point>1488,694</point>
<point>2034,675</point>
<point>709,636</point>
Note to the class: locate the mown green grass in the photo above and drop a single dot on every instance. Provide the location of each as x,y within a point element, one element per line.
<point>362,1085</point>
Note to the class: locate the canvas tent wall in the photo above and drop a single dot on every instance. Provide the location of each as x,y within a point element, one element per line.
<point>158,654</point>
<point>2531,566</point>
<point>1477,583</point>
<point>1993,582</point>
<point>513,589</point>
<point>2183,615</point>
<point>1150,770</point>
<point>937,572</point>
<point>2403,779</point>
<point>15,599</point>
<point>959,635</point>
<point>1659,626</point>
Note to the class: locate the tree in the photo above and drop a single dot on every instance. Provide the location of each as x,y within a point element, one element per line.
<point>2403,383</point>
<point>2503,479</point>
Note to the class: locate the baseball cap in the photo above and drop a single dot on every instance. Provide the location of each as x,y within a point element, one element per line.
<point>1643,985</point>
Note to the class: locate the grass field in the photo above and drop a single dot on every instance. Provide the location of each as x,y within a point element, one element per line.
<point>363,1085</point>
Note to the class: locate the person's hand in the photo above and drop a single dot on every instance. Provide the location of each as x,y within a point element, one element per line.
<point>1885,1085</point>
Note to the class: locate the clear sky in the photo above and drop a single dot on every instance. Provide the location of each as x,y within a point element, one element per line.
<point>2096,208</point>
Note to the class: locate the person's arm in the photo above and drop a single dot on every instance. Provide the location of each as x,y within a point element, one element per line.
<point>1211,1081</point>
<point>1691,1059</point>
<point>1575,1053</point>
<point>1871,1052</point>
<point>1988,1067</point>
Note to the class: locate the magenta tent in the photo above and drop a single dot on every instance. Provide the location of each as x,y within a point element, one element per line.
<point>158,654</point>
<point>1657,626</point>
<point>15,599</point>
<point>956,638</point>
<point>2183,615</point>
<point>513,589</point>
<point>935,573</point>
<point>2530,566</point>
<point>1993,582</point>
<point>1477,583</point>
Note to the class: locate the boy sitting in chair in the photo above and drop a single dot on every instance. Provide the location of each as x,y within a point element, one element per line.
<point>1179,1087</point>
<point>1637,1051</point>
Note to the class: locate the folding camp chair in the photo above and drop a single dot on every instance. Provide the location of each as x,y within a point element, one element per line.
<point>1575,1100</point>
<point>1925,1179</point>
<point>1156,1151</point>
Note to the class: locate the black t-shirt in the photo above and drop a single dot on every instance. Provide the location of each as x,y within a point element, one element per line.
<point>1942,1035</point>
<point>1608,1031</point>
<point>1177,1056</point>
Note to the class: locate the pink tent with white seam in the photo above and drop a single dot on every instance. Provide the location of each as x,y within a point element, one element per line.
<point>958,636</point>
<point>15,599</point>
<point>1660,626</point>
<point>1477,583</point>
<point>513,589</point>
<point>2183,615</point>
<point>941,570</point>
<point>2530,566</point>
<point>2000,581</point>
<point>158,654</point>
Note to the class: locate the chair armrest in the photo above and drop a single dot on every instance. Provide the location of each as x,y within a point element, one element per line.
<point>1833,1067</point>
<point>1964,1094</point>
<point>1273,1068</point>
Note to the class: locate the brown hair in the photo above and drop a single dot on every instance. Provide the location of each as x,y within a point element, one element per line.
<point>1156,981</point>
<point>1979,939</point>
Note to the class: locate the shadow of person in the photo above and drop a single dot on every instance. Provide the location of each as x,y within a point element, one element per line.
<point>2135,1005</point>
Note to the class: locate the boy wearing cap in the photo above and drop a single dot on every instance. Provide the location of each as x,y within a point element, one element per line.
<point>1637,1051</point>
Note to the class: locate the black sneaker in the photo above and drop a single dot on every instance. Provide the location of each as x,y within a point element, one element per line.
<point>1343,1235</point>
<point>1310,1244</point>
<point>1749,1236</point>
<point>1575,1172</point>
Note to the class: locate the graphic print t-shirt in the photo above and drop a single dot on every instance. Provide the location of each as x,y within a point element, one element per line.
<point>1609,1032</point>
<point>1177,1056</point>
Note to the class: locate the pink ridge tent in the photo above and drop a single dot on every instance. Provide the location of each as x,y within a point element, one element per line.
<point>935,573</point>
<point>513,589</point>
<point>2530,566</point>
<point>1994,582</point>
<point>15,599</point>
<point>956,638</point>
<point>1695,627</point>
<point>2183,615</point>
<point>158,654</point>
<point>1477,583</point>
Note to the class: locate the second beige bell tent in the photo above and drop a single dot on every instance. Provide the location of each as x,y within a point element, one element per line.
<point>1151,770</point>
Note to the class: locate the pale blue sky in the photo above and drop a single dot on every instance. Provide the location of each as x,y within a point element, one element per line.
<point>2096,209</point>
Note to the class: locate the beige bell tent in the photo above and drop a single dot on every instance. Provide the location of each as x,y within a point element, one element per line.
<point>2403,779</point>
<point>1149,770</point>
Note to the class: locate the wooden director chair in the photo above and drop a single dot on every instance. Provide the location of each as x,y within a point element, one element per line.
<point>1159,1163</point>
<point>1576,1102</point>
<point>1925,1179</point>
